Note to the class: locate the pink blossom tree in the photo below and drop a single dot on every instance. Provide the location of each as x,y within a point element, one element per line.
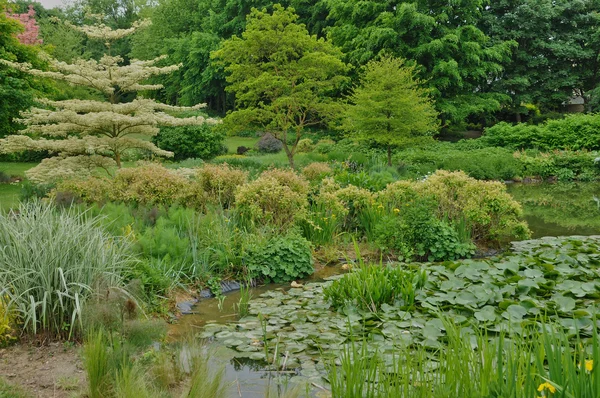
<point>31,33</point>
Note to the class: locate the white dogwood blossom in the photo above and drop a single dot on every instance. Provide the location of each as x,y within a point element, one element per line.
<point>101,131</point>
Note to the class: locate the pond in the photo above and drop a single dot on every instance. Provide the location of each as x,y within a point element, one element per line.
<point>559,275</point>
<point>560,209</point>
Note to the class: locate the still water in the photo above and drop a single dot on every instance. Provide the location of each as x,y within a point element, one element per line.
<point>560,209</point>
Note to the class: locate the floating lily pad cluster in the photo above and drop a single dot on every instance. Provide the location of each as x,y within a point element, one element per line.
<point>551,280</point>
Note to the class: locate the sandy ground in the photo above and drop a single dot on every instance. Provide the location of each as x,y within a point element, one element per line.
<point>51,370</point>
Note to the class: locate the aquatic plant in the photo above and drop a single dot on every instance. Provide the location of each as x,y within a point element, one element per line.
<point>371,286</point>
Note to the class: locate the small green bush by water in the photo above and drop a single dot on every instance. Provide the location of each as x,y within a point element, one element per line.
<point>372,286</point>
<point>280,259</point>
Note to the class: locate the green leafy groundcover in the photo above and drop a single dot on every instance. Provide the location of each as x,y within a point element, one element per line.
<point>550,280</point>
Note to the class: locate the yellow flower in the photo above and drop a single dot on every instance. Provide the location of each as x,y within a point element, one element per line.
<point>333,216</point>
<point>324,218</point>
<point>380,207</point>
<point>547,386</point>
<point>589,364</point>
<point>396,211</point>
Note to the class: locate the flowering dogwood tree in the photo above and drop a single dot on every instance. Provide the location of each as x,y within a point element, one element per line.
<point>31,33</point>
<point>87,134</point>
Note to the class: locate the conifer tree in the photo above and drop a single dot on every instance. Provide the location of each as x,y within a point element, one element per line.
<point>86,134</point>
<point>390,108</point>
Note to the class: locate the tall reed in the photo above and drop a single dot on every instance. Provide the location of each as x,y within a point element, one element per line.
<point>547,364</point>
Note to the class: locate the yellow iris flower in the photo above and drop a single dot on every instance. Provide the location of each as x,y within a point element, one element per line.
<point>547,386</point>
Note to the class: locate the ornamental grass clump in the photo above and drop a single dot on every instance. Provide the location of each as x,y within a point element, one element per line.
<point>52,261</point>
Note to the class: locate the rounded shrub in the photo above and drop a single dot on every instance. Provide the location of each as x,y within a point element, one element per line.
<point>289,178</point>
<point>216,184</point>
<point>149,184</point>
<point>268,200</point>
<point>305,145</point>
<point>280,259</point>
<point>269,144</point>
<point>90,190</point>
<point>204,141</point>
<point>316,171</point>
<point>490,213</point>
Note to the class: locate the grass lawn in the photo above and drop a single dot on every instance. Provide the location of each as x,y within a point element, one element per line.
<point>9,193</point>
<point>16,169</point>
<point>9,196</point>
<point>233,143</point>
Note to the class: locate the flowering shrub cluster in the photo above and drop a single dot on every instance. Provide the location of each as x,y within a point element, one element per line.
<point>437,218</point>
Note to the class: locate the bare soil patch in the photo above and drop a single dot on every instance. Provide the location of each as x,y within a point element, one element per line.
<point>50,370</point>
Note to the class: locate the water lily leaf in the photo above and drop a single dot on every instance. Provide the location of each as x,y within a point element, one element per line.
<point>515,312</point>
<point>533,273</point>
<point>466,298</point>
<point>486,314</point>
<point>564,303</point>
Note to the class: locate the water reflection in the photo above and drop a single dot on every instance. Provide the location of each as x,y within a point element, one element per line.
<point>560,209</point>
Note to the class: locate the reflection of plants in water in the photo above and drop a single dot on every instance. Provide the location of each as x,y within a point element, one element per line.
<point>254,365</point>
<point>570,205</point>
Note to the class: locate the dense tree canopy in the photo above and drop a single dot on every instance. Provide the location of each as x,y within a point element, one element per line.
<point>481,60</point>
<point>454,57</point>
<point>557,53</point>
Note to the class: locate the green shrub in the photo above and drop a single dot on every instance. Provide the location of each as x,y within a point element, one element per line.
<point>414,231</point>
<point>280,259</point>
<point>151,183</point>
<point>217,184</point>
<point>484,164</point>
<point>324,146</point>
<point>204,142</point>
<point>316,171</point>
<point>564,165</point>
<point>305,145</point>
<point>490,213</point>
<point>296,182</point>
<point>91,190</point>
<point>277,197</point>
<point>52,262</point>
<point>371,286</point>
<point>579,131</point>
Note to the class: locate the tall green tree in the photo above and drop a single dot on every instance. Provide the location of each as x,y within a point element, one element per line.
<point>454,57</point>
<point>389,107</point>
<point>282,77</point>
<point>557,54</point>
<point>188,31</point>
